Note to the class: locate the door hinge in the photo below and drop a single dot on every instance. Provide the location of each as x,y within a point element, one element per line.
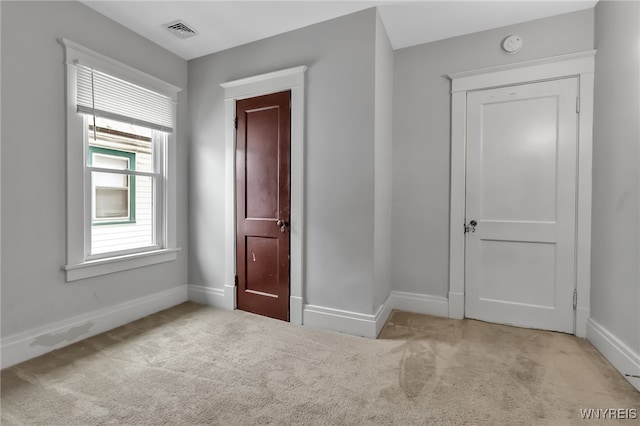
<point>575,299</point>
<point>578,104</point>
<point>235,123</point>
<point>236,280</point>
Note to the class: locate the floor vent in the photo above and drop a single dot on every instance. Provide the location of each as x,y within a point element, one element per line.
<point>180,29</point>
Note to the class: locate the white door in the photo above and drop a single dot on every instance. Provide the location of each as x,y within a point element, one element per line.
<point>521,193</point>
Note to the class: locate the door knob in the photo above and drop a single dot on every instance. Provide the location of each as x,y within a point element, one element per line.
<point>282,224</point>
<point>471,228</point>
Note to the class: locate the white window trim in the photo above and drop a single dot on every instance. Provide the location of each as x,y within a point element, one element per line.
<point>581,65</point>
<point>78,266</point>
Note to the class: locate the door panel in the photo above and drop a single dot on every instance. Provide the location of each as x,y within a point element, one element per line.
<point>526,269</point>
<point>262,268</point>
<point>263,199</point>
<point>513,187</point>
<point>521,191</point>
<point>262,163</point>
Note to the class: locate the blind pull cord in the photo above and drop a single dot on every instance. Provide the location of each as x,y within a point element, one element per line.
<point>93,107</point>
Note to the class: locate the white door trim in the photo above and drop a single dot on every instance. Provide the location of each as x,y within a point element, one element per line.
<point>288,79</point>
<point>581,65</point>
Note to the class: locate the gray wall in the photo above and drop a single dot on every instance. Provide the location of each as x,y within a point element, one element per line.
<point>34,291</point>
<point>339,166</point>
<point>615,277</point>
<point>421,136</point>
<point>383,163</point>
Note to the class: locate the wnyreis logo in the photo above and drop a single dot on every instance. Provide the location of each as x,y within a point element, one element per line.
<point>609,413</point>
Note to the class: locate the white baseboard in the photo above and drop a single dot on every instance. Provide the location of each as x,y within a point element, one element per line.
<point>223,298</point>
<point>295,310</point>
<point>623,358</point>
<point>419,303</point>
<point>370,325</point>
<point>32,343</point>
<point>456,305</point>
<point>230,301</point>
<point>211,296</point>
<point>582,318</point>
<point>383,313</point>
<point>339,320</point>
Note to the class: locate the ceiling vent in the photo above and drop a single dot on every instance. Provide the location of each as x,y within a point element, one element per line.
<point>180,29</point>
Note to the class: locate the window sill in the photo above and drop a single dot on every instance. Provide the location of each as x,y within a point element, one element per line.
<point>94,268</point>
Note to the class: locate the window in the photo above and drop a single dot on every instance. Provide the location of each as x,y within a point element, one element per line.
<point>125,173</point>
<point>121,166</point>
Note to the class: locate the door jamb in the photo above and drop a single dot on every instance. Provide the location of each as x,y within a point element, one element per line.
<point>273,82</point>
<point>580,65</point>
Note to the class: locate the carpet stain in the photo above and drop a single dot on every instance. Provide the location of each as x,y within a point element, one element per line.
<point>52,339</point>
<point>417,368</point>
<point>86,407</point>
<point>525,371</point>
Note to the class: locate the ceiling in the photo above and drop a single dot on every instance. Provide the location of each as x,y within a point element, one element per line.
<point>225,24</point>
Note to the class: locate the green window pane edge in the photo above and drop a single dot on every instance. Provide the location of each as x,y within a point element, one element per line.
<point>132,181</point>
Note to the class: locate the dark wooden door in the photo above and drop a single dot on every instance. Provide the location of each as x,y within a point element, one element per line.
<point>263,212</point>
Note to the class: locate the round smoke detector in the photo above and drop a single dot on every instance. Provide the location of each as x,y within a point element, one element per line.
<point>512,44</point>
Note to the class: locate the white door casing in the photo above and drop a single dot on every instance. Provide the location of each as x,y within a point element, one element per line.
<point>288,79</point>
<point>521,192</point>
<point>579,65</point>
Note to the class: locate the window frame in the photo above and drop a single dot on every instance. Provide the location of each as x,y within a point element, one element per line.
<point>80,264</point>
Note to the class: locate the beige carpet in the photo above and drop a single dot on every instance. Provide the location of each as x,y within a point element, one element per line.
<point>198,365</point>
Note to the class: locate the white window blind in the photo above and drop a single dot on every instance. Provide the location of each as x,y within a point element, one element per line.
<point>104,95</point>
